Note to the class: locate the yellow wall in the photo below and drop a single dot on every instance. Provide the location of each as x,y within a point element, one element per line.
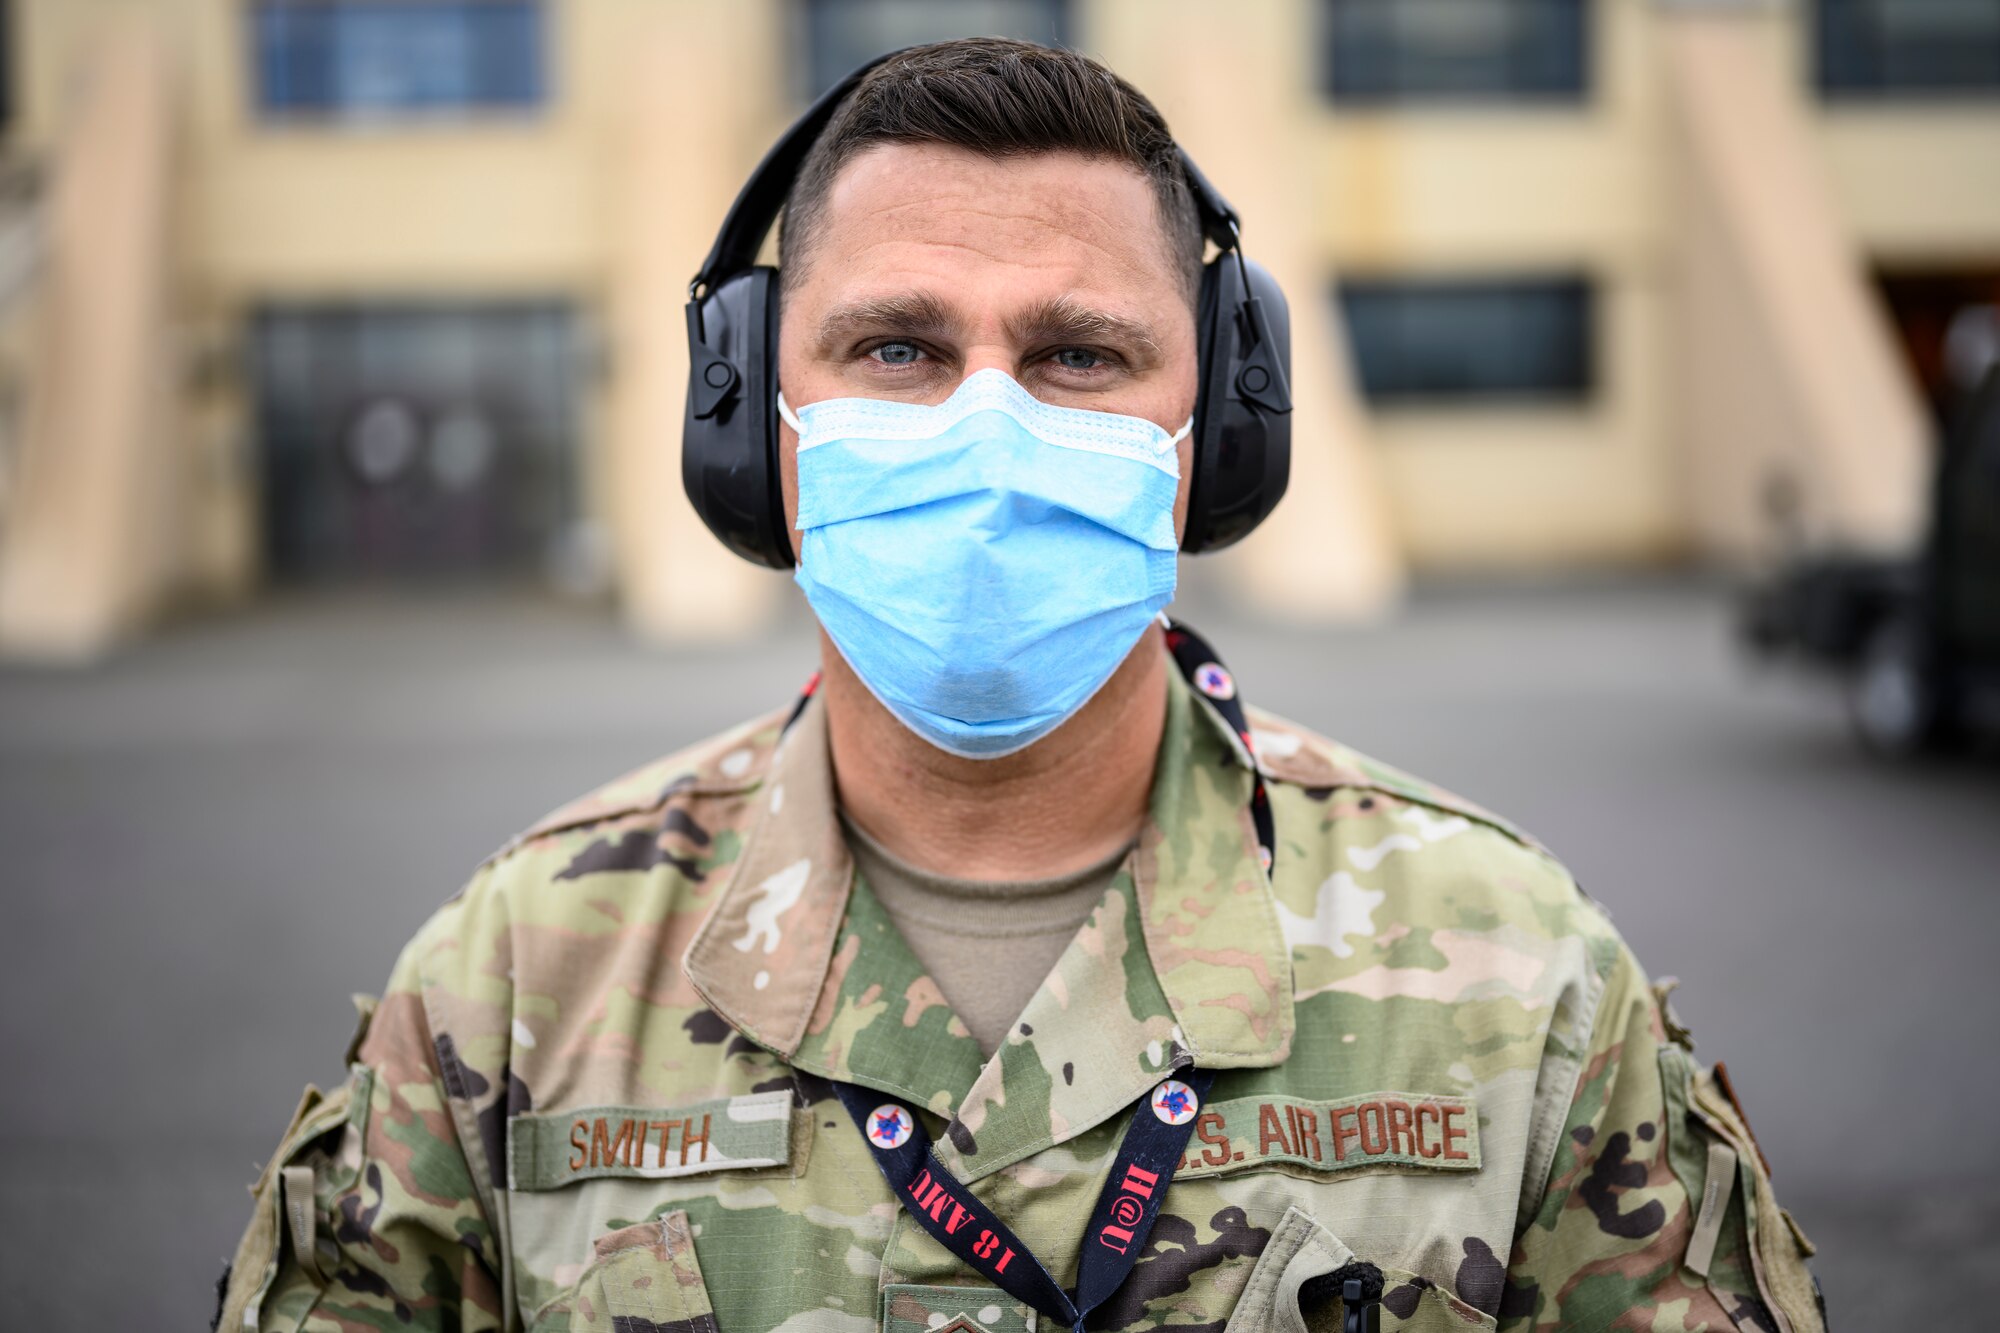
<point>1239,108</point>
<point>605,191</point>
<point>500,202</point>
<point>97,530</point>
<point>1917,180</point>
<point>1918,185</point>
<point>1537,190</point>
<point>498,207</point>
<point>537,205</point>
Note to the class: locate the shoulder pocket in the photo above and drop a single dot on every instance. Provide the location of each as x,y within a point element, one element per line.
<point>641,1277</point>
<point>319,1156</point>
<point>1741,1240</point>
<point>1301,1249</point>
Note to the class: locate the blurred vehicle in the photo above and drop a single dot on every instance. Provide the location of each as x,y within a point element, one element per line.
<point>1917,640</point>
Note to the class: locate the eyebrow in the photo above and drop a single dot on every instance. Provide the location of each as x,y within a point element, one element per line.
<point>1064,319</point>
<point>1059,319</point>
<point>916,314</point>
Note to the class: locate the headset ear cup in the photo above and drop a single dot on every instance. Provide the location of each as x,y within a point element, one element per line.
<point>1243,452</point>
<point>1219,291</point>
<point>729,433</point>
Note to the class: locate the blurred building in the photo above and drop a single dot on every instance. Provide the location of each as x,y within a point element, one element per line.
<point>326,291</point>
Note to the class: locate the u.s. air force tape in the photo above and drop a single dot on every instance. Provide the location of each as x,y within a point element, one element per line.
<point>550,1149</point>
<point>1396,1129</point>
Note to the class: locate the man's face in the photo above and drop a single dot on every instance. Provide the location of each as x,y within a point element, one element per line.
<point>930,263</point>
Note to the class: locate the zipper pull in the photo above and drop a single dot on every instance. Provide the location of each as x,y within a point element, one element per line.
<point>1363,1312</point>
<point>1358,1285</point>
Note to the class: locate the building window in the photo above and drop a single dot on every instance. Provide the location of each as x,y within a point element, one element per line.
<point>415,441</point>
<point>1886,48</point>
<point>363,58</point>
<point>842,34</point>
<point>1448,341</point>
<point>1385,51</point>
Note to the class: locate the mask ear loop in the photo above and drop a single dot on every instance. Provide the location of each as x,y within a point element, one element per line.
<point>791,418</point>
<point>1179,435</point>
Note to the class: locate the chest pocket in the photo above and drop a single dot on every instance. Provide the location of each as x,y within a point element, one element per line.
<point>1300,1249</point>
<point>640,1277</point>
<point>604,1203</point>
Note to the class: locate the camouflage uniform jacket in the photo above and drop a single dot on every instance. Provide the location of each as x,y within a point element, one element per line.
<point>595,1094</point>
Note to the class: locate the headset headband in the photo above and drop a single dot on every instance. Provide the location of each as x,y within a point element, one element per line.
<point>763,196</point>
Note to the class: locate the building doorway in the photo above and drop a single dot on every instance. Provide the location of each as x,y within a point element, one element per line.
<point>1948,322</point>
<point>419,442</point>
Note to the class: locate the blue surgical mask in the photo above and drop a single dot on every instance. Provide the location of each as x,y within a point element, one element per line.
<point>985,563</point>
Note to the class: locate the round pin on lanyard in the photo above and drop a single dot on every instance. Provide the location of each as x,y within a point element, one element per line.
<point>1204,670</point>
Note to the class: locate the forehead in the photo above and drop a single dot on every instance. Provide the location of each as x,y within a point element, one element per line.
<point>1030,226</point>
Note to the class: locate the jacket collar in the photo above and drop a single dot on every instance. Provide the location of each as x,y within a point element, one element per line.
<point>1182,963</point>
<point>763,955</point>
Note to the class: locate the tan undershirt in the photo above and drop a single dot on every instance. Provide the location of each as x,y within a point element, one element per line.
<point>987,944</point>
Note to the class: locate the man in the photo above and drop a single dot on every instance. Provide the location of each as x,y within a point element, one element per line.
<point>996,984</point>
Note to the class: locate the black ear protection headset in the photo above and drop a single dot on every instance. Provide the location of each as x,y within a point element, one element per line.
<point>1242,432</point>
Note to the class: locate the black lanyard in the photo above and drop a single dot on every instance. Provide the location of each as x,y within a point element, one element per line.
<point>1204,671</point>
<point>1153,1142</point>
<point>1119,1225</point>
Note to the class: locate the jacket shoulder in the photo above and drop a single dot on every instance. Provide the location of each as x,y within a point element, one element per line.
<point>727,764</point>
<point>641,853</point>
<point>678,814</point>
<point>1379,834</point>
<point>1290,753</point>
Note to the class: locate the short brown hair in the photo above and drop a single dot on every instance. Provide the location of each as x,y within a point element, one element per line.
<point>1000,98</point>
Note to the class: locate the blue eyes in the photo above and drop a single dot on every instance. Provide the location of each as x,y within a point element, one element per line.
<point>1078,359</point>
